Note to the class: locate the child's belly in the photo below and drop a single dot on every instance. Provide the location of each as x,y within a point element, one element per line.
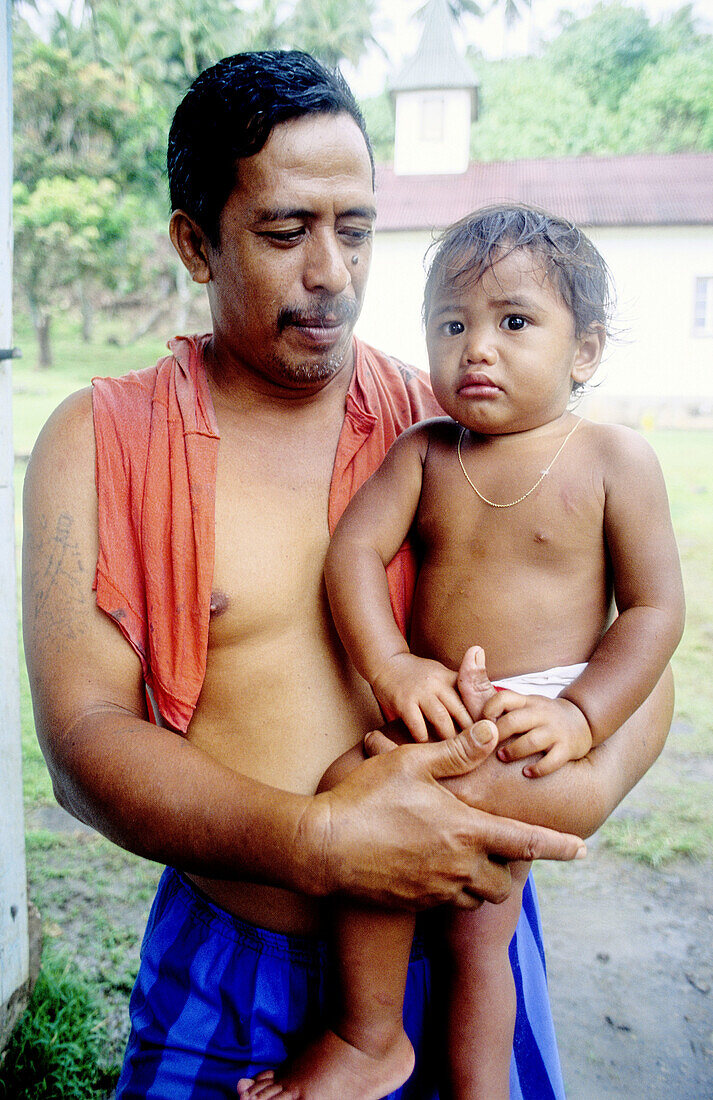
<point>526,618</point>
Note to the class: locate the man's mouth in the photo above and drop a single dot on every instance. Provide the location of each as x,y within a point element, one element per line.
<point>323,323</point>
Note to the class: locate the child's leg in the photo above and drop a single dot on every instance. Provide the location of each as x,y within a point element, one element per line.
<point>365,1054</point>
<point>481,996</point>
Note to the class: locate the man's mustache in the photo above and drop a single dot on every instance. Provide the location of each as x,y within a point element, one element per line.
<point>327,312</point>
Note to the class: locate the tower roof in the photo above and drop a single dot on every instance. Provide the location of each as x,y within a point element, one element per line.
<point>436,63</point>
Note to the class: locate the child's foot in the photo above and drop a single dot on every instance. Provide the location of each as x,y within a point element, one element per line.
<point>332,1069</point>
<point>473,684</point>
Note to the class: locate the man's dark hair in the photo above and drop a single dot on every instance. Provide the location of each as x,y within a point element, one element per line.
<point>470,247</point>
<point>230,111</point>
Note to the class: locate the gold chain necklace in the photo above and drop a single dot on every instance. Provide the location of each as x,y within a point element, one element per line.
<point>524,496</point>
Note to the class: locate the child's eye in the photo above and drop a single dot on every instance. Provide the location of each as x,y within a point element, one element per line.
<point>452,328</point>
<point>514,322</point>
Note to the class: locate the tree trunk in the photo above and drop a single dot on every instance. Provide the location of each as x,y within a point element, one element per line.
<point>87,314</point>
<point>43,323</point>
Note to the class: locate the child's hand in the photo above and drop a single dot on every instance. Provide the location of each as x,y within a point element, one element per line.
<point>528,724</point>
<point>418,690</point>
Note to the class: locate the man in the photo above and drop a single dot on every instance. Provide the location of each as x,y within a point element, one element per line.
<point>198,497</point>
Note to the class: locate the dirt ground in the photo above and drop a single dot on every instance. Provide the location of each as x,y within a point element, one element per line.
<point>630,959</point>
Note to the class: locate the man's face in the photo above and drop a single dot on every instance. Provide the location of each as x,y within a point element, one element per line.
<point>288,280</point>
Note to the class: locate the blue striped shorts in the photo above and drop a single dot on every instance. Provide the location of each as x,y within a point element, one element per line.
<point>217,999</point>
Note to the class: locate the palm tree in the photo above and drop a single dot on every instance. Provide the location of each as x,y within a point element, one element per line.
<point>512,9</point>
<point>333,30</point>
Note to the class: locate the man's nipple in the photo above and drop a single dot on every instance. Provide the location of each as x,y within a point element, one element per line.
<point>218,604</point>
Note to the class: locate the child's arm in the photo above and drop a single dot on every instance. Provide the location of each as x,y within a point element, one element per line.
<point>366,539</point>
<point>636,648</point>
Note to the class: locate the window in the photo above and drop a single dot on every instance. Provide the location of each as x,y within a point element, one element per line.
<point>703,307</point>
<point>432,118</point>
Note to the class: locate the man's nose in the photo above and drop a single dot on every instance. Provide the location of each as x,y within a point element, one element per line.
<point>326,264</point>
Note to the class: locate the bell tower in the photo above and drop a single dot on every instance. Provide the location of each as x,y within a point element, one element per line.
<point>435,99</point>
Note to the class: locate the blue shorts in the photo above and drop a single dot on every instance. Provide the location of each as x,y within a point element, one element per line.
<point>217,999</point>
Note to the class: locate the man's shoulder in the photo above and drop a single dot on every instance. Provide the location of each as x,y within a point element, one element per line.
<point>399,383</point>
<point>134,393</point>
<point>391,365</point>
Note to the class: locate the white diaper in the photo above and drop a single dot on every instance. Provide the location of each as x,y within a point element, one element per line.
<point>549,683</point>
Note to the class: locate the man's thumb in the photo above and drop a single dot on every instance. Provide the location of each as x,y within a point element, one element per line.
<point>463,753</point>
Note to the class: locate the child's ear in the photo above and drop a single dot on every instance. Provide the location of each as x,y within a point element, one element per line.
<point>589,353</point>
<point>191,244</point>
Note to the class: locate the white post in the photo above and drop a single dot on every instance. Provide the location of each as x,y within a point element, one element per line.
<point>14,950</point>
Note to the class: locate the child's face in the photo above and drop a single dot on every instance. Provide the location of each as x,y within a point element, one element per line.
<point>503,351</point>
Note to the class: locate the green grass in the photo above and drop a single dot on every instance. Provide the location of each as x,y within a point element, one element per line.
<point>661,837</point>
<point>36,393</point>
<point>94,899</point>
<point>58,1050</point>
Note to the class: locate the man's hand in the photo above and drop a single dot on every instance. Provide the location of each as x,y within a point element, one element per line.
<point>392,834</point>
<point>531,724</point>
<point>420,691</point>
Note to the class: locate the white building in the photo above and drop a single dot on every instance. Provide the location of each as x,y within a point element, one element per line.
<point>651,216</point>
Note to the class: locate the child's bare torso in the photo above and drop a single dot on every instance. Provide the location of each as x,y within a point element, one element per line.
<point>531,583</point>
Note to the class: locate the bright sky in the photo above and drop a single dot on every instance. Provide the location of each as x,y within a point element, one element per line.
<point>398,32</point>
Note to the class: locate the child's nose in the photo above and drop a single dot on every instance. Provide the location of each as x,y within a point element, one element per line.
<point>480,347</point>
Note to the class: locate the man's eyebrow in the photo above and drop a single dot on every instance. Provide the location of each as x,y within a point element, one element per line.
<point>366,212</point>
<point>268,215</point>
<point>281,214</point>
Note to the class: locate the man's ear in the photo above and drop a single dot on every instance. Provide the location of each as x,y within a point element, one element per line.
<point>589,353</point>
<point>192,246</point>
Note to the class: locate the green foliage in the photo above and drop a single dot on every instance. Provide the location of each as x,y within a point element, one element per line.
<point>67,114</point>
<point>669,109</point>
<point>67,230</point>
<point>56,1051</point>
<point>610,83</point>
<point>605,52</point>
<point>333,30</point>
<point>379,117</point>
<point>564,124</point>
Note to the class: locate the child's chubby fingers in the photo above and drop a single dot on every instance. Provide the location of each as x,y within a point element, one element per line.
<point>551,762</point>
<point>503,702</point>
<point>262,1085</point>
<point>527,744</point>
<point>446,713</point>
<point>437,714</point>
<point>412,717</point>
<point>526,714</point>
<point>457,709</point>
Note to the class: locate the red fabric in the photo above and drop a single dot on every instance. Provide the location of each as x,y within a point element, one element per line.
<point>156,460</point>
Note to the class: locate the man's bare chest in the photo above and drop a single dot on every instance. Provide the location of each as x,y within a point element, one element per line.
<point>271,537</point>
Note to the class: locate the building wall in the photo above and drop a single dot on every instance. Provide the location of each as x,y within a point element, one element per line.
<point>655,364</point>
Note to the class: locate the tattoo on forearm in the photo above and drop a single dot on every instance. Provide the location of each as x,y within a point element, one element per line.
<point>58,581</point>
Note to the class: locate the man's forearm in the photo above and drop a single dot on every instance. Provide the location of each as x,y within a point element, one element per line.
<point>580,796</point>
<point>154,793</point>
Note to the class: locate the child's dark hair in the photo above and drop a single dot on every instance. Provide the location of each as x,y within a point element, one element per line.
<point>230,111</point>
<point>470,247</point>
